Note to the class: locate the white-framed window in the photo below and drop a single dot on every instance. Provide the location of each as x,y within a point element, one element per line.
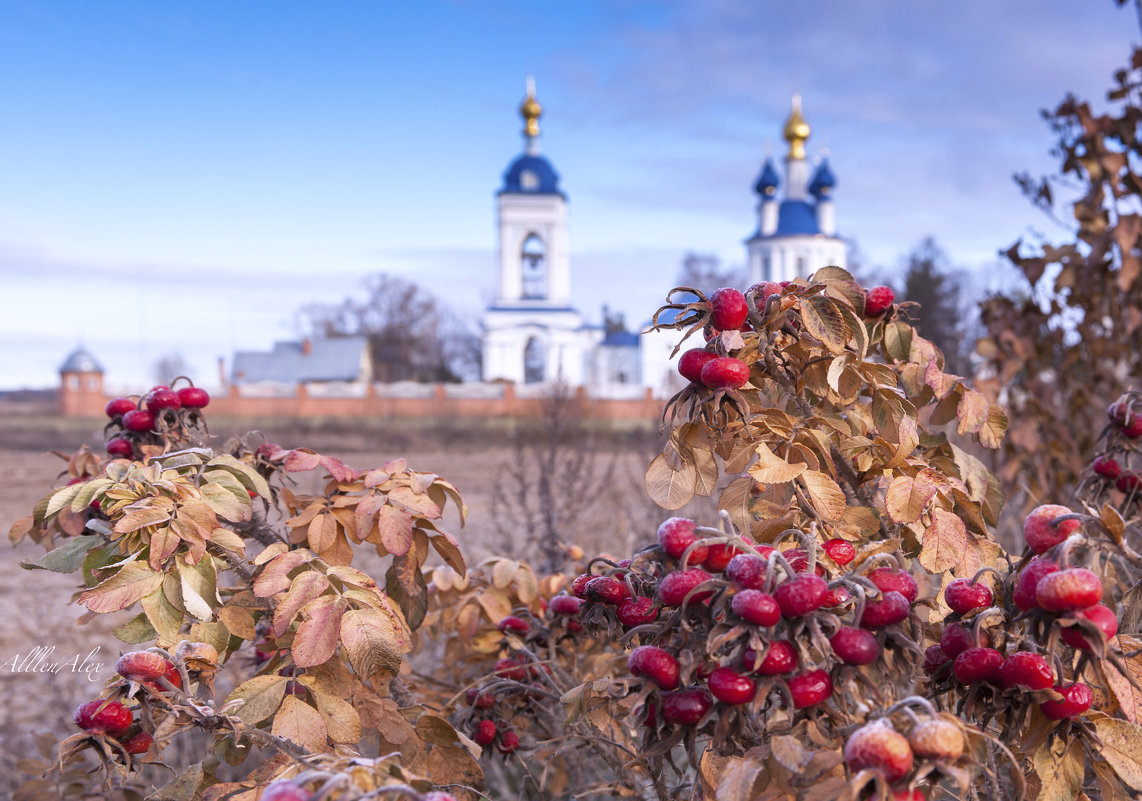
<point>533,362</point>
<point>528,181</point>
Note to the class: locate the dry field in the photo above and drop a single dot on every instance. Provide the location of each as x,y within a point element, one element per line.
<point>36,608</point>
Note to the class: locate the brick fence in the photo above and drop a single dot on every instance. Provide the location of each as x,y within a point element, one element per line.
<point>387,401</point>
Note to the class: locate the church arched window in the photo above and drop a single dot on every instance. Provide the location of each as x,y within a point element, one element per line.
<point>533,362</point>
<point>528,181</point>
<point>533,262</point>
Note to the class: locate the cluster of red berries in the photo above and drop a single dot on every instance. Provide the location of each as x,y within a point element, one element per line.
<point>141,419</point>
<point>767,609</point>
<point>1069,597</point>
<point>1126,419</point>
<point>112,718</point>
<point>933,744</point>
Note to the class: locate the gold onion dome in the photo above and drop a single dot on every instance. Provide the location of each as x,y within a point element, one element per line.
<point>530,110</point>
<point>796,130</point>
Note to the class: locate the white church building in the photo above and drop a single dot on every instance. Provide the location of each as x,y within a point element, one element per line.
<point>532,335</point>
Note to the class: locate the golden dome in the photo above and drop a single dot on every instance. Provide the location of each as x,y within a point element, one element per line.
<point>796,130</point>
<point>530,110</point>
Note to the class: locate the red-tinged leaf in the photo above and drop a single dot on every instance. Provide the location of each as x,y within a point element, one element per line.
<point>449,550</point>
<point>972,412</point>
<point>301,459</point>
<point>940,382</point>
<point>317,636</point>
<point>374,478</point>
<point>274,577</point>
<point>163,543</point>
<point>945,542</point>
<point>131,583</point>
<point>142,518</point>
<point>394,529</point>
<point>417,504</point>
<point>907,497</point>
<point>393,466</point>
<point>305,587</point>
<point>300,723</point>
<point>365,514</point>
<point>338,469</point>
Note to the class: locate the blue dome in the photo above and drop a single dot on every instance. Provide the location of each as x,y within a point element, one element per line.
<point>823,180</point>
<point>767,182</point>
<point>796,217</point>
<point>531,175</point>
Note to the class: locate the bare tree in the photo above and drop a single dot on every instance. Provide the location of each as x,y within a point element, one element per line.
<point>413,336</point>
<point>705,272</point>
<point>555,475</point>
<point>169,367</point>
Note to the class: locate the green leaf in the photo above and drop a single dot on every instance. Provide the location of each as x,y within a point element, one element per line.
<point>68,557</point>
<point>225,503</point>
<point>136,630</point>
<point>898,341</point>
<point>164,612</point>
<point>60,498</point>
<point>133,581</point>
<point>317,636</point>
<point>88,491</point>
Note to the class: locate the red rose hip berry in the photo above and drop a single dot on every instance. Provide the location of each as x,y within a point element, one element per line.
<point>686,707</point>
<point>936,739</point>
<point>725,372</point>
<point>651,662</point>
<point>879,747</point>
<point>1042,533</point>
<point>1027,670</point>
<point>138,420</point>
<point>607,590</point>
<point>877,301</point>
<point>719,557</point>
<point>565,605</point>
<point>138,744</point>
<point>162,399</point>
<point>754,606</point>
<point>747,570</point>
<point>887,580</point>
<point>1101,616</point>
<point>731,687</point>
<point>120,448</point>
<point>511,669</point>
<point>1077,699</point>
<point>890,609</point>
<point>1106,467</point>
<point>810,689</point>
<point>142,666</point>
<point>801,594</point>
<point>285,790</point>
<point>194,397</point>
<point>479,699</point>
<point>1067,590</point>
<point>691,362</point>
<point>676,535</point>
<point>513,624</point>
<point>935,659</point>
<point>855,646</point>
<point>1129,482</point>
<point>1026,583</point>
<point>781,658</point>
<point>840,551</point>
<point>964,596</point>
<point>104,717</point>
<point>485,733</point>
<point>728,309</point>
<point>978,664</point>
<point>509,742</point>
<point>119,406</point>
<point>636,612</point>
<point>675,586</point>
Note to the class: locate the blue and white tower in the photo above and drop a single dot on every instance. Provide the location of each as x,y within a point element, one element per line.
<point>796,234</point>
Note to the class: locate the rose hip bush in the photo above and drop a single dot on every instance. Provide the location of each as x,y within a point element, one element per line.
<point>847,627</point>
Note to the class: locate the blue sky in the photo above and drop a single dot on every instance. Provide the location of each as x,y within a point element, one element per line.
<point>182,176</point>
